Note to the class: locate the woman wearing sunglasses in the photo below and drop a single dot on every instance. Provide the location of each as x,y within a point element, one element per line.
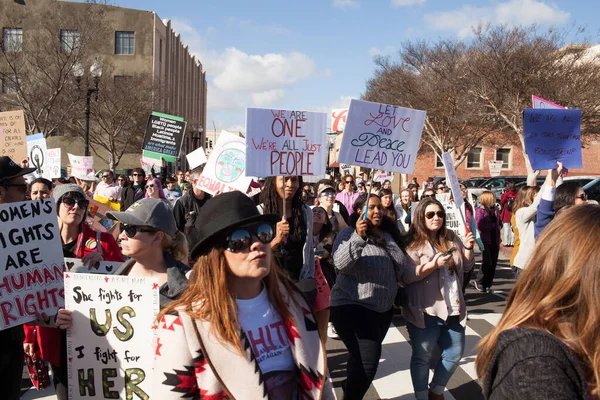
<point>154,190</point>
<point>436,312</point>
<point>241,329</point>
<point>79,241</point>
<point>326,199</point>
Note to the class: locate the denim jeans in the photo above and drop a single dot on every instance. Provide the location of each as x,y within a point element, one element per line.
<point>450,337</point>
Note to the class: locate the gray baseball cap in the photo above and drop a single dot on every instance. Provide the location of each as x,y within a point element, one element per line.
<point>147,212</point>
<point>60,190</point>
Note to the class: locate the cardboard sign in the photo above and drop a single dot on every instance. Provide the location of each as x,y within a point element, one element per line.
<point>31,262</point>
<point>164,135</point>
<point>196,158</point>
<point>37,153</point>
<point>52,164</point>
<point>452,179</point>
<point>82,167</point>
<point>538,102</point>
<point>283,142</point>
<point>97,219</point>
<point>109,348</point>
<point>225,169</point>
<point>382,136</point>
<point>338,119</point>
<point>101,267</point>
<point>552,135</point>
<point>13,142</point>
<point>495,168</point>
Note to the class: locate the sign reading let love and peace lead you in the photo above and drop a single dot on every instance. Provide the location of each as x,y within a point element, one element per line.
<point>381,136</point>
<point>282,142</point>
<point>109,348</point>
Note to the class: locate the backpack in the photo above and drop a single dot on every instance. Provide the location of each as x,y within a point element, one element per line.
<point>509,203</point>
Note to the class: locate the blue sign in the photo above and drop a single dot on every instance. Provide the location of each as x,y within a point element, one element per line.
<point>552,135</point>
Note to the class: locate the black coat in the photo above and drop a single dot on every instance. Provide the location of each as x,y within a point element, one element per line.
<point>186,211</point>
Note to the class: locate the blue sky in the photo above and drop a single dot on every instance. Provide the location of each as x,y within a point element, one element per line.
<point>317,54</point>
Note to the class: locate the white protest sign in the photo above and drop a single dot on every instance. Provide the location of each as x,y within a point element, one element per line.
<point>37,153</point>
<point>495,168</point>
<point>454,220</point>
<point>196,158</point>
<point>283,142</point>
<point>101,267</point>
<point>382,176</point>
<point>82,167</point>
<point>52,164</point>
<point>109,348</point>
<point>149,163</point>
<point>338,119</point>
<point>225,169</point>
<point>382,136</point>
<point>345,169</point>
<point>31,256</point>
<point>452,179</point>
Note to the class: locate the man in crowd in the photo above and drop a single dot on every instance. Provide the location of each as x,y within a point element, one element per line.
<point>187,208</point>
<point>180,180</point>
<point>347,196</point>
<point>136,191</point>
<point>171,192</point>
<point>13,188</point>
<point>107,187</point>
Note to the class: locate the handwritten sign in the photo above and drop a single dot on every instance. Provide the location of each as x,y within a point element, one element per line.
<point>82,167</point>
<point>382,136</point>
<point>52,164</point>
<point>101,267</point>
<point>31,271</point>
<point>495,168</point>
<point>338,119</point>
<point>282,142</point>
<point>109,348</point>
<point>37,153</point>
<point>382,176</point>
<point>196,158</point>
<point>552,135</point>
<point>226,165</point>
<point>452,179</point>
<point>454,220</point>
<point>164,135</point>
<point>13,142</point>
<point>538,102</point>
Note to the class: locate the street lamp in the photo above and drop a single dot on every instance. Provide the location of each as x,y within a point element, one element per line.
<point>96,73</point>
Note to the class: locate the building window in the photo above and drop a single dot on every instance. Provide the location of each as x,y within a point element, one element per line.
<point>69,40</point>
<point>438,161</point>
<point>9,84</point>
<point>124,42</point>
<point>12,39</point>
<point>504,156</point>
<point>474,158</point>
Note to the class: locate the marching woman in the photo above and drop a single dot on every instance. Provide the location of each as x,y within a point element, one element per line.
<point>79,241</point>
<point>488,225</point>
<point>436,313</point>
<point>241,330</point>
<point>525,216</point>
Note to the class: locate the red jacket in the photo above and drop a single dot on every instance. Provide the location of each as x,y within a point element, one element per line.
<point>47,338</point>
<point>505,215</point>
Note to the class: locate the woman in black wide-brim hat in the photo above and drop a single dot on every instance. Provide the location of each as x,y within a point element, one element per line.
<point>241,329</point>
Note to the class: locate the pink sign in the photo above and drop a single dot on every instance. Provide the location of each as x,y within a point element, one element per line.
<point>538,102</point>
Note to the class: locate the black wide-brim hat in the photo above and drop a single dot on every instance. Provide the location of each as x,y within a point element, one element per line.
<point>221,214</point>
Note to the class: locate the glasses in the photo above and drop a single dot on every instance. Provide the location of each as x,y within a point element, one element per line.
<point>120,179</point>
<point>349,182</point>
<point>137,174</point>
<point>150,185</point>
<point>70,203</point>
<point>427,196</point>
<point>430,214</point>
<point>132,230</point>
<point>105,176</point>
<point>582,196</point>
<point>241,239</point>
<point>327,194</point>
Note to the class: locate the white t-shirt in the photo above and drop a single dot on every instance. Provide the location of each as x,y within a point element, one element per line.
<point>265,331</point>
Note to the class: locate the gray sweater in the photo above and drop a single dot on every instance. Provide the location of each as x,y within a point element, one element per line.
<point>367,276</point>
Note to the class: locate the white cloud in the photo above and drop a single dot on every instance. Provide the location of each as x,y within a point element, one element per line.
<point>513,12</point>
<point>405,3</point>
<point>386,51</point>
<point>346,4</point>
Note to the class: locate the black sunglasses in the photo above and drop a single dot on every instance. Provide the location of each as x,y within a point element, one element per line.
<point>425,196</point>
<point>138,175</point>
<point>241,239</point>
<point>132,230</point>
<point>105,176</point>
<point>430,214</point>
<point>69,202</point>
<point>582,196</point>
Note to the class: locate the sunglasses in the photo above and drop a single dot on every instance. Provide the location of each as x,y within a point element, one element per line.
<point>425,196</point>
<point>105,176</point>
<point>132,230</point>
<point>138,175</point>
<point>327,194</point>
<point>151,185</point>
<point>69,202</point>
<point>349,181</point>
<point>583,197</point>
<point>241,239</point>
<point>430,214</point>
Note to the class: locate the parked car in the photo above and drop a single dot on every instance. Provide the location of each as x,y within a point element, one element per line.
<point>592,189</point>
<point>475,182</point>
<point>498,184</point>
<point>582,180</point>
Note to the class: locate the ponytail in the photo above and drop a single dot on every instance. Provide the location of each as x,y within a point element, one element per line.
<point>177,246</point>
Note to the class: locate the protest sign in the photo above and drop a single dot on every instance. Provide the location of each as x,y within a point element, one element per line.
<point>454,219</point>
<point>345,169</point>
<point>538,102</point>
<point>31,256</point>
<point>109,348</point>
<point>150,161</point>
<point>225,169</point>
<point>338,119</point>
<point>315,178</point>
<point>552,135</point>
<point>52,164</point>
<point>495,168</point>
<point>335,151</point>
<point>382,136</point>
<point>196,158</point>
<point>13,142</point>
<point>164,135</point>
<point>101,267</point>
<point>452,179</point>
<point>37,153</point>
<point>382,176</point>
<point>82,167</point>
<point>283,142</point>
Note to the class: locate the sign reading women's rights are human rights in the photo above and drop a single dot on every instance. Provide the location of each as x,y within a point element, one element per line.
<point>381,136</point>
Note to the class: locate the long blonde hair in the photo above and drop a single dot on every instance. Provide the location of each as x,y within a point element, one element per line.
<point>559,292</point>
<point>208,297</point>
<point>177,246</point>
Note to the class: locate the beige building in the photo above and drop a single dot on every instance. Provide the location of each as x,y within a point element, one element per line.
<point>133,42</point>
<point>210,140</point>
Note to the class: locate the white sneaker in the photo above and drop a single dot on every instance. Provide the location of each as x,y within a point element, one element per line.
<point>331,333</point>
